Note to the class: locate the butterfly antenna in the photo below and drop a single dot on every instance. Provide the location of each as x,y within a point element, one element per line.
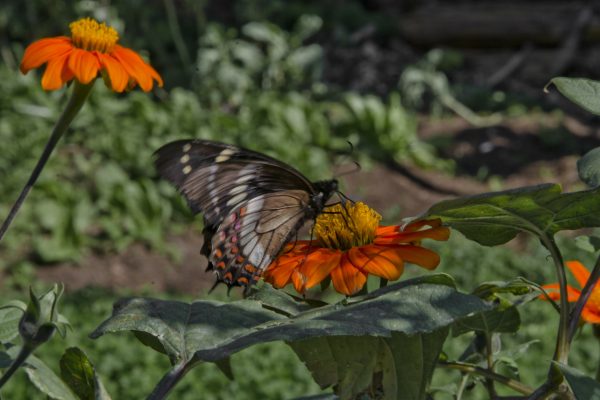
<point>357,167</point>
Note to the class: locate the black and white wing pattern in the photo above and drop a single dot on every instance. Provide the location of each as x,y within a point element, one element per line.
<point>252,204</point>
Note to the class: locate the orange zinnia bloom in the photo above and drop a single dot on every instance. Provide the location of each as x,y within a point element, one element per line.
<point>349,246</point>
<point>92,48</point>
<point>591,310</point>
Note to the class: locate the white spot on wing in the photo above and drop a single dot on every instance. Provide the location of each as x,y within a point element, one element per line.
<point>184,159</point>
<point>238,189</point>
<point>236,199</point>
<point>187,147</point>
<point>187,169</point>
<point>224,155</point>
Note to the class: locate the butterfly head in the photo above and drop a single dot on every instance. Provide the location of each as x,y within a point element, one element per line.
<point>324,191</point>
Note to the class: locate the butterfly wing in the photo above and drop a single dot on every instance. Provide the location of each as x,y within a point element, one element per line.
<point>252,203</point>
<point>252,235</point>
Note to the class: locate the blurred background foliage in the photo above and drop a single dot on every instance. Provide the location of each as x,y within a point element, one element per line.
<point>295,79</point>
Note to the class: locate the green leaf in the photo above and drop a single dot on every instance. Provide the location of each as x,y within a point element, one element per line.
<point>210,330</point>
<point>588,167</point>
<point>225,366</point>
<point>584,387</point>
<point>5,360</point>
<point>590,244</point>
<point>43,377</point>
<point>348,362</point>
<point>409,363</point>
<point>495,218</point>
<point>403,363</point>
<point>10,315</point>
<point>505,320</point>
<point>78,372</point>
<point>583,92</point>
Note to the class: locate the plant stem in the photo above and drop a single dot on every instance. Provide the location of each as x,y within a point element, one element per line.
<point>168,382</point>
<point>473,369</point>
<point>561,352</point>
<point>596,329</point>
<point>489,382</point>
<point>78,97</point>
<point>583,298</point>
<point>17,362</point>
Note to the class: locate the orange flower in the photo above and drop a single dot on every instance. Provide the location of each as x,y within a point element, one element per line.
<point>92,48</point>
<point>349,246</point>
<point>591,310</point>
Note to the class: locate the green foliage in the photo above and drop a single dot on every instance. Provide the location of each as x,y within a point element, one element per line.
<point>495,218</point>
<point>79,374</point>
<point>583,92</point>
<point>211,331</point>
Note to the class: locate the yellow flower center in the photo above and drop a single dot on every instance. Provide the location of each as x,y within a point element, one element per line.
<point>90,35</point>
<point>342,228</point>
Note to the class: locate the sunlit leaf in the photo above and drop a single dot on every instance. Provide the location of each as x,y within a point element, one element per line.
<point>210,330</point>
<point>583,92</point>
<point>495,218</point>
<point>78,372</point>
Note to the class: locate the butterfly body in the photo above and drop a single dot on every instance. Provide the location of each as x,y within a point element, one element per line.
<point>252,204</point>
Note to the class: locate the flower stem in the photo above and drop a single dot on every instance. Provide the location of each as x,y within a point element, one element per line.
<point>76,101</point>
<point>473,369</point>
<point>583,298</point>
<point>561,352</point>
<point>168,382</point>
<point>17,362</point>
<point>489,353</point>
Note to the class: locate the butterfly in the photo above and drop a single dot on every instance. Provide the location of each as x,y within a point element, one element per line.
<point>253,204</point>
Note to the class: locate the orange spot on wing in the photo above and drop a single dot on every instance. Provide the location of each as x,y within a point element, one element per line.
<point>243,281</point>
<point>228,277</point>
<point>220,265</point>
<point>218,253</point>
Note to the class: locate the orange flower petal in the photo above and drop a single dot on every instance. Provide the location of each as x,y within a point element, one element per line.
<point>591,316</point>
<point>440,233</point>
<point>279,272</point>
<point>416,225</point>
<point>85,65</point>
<point>418,255</point>
<point>553,291</point>
<point>44,50</point>
<point>347,278</point>
<point>384,262</point>
<point>579,272</point>
<point>315,268</point>
<point>136,67</point>
<point>54,76</point>
<point>117,74</point>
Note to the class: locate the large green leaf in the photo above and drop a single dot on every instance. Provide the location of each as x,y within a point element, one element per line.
<point>500,320</point>
<point>78,372</point>
<point>583,92</point>
<point>346,362</point>
<point>350,364</point>
<point>409,363</point>
<point>584,387</point>
<point>210,330</point>
<point>43,377</point>
<point>495,218</point>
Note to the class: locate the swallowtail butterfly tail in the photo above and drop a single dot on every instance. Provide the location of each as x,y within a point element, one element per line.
<point>252,204</point>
